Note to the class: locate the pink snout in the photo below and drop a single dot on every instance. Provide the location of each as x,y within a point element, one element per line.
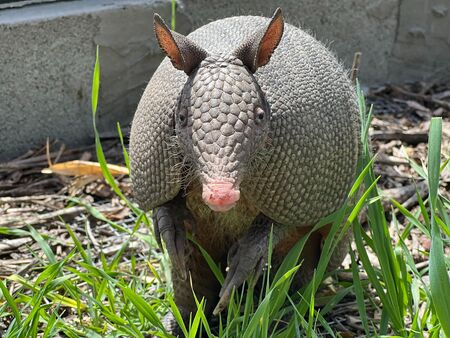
<point>220,196</point>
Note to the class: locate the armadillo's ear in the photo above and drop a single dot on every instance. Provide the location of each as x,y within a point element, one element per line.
<point>256,51</point>
<point>184,53</point>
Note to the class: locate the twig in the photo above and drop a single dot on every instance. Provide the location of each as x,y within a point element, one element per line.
<point>422,265</point>
<point>90,234</point>
<point>355,67</point>
<point>427,98</point>
<point>60,152</point>
<point>390,160</point>
<point>402,194</point>
<point>348,276</point>
<point>408,137</point>
<point>11,266</point>
<point>422,188</point>
<point>42,218</point>
<point>12,244</point>
<point>22,199</point>
<point>385,147</point>
<point>34,187</point>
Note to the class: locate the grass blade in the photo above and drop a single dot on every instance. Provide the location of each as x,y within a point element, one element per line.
<point>43,244</point>
<point>9,299</point>
<point>434,158</point>
<point>359,294</point>
<point>439,279</point>
<point>173,15</point>
<point>143,307</point>
<point>124,149</point>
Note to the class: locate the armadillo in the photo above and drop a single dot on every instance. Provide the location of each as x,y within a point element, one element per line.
<point>248,129</point>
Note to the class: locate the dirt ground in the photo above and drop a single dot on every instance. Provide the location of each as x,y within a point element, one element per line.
<point>29,197</point>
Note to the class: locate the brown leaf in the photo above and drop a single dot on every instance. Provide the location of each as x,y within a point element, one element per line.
<point>79,168</point>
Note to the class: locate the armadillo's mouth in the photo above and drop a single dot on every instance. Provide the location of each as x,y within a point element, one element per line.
<point>220,196</point>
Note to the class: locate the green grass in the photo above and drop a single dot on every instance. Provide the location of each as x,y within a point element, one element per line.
<point>105,300</point>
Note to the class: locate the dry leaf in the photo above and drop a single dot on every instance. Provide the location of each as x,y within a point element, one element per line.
<point>80,168</point>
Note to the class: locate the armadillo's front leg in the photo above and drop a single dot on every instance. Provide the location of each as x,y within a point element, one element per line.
<point>201,282</point>
<point>248,255</point>
<point>168,224</point>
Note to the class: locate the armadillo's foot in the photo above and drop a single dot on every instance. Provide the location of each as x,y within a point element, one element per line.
<point>168,224</point>
<point>246,257</point>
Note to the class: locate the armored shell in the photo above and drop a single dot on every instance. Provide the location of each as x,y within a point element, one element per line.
<point>314,129</point>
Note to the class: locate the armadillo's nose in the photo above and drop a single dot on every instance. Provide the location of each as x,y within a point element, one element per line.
<point>220,196</point>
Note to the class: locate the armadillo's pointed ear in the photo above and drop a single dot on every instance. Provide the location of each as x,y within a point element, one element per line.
<point>256,51</point>
<point>183,53</point>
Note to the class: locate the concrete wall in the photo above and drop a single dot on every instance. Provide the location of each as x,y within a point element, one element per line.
<point>47,53</point>
<point>422,41</point>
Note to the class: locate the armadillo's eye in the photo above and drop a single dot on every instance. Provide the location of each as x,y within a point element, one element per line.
<point>260,115</point>
<point>182,117</point>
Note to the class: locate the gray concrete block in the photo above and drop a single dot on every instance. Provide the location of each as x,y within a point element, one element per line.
<point>48,53</point>
<point>422,48</point>
<point>45,81</point>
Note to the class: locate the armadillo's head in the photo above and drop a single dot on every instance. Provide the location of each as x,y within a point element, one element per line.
<point>221,121</point>
<point>222,118</point>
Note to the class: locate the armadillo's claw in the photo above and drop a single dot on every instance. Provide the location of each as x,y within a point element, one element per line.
<point>157,232</point>
<point>170,228</point>
<point>247,257</point>
<point>175,240</point>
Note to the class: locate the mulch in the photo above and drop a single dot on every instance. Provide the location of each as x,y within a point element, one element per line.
<point>402,115</point>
